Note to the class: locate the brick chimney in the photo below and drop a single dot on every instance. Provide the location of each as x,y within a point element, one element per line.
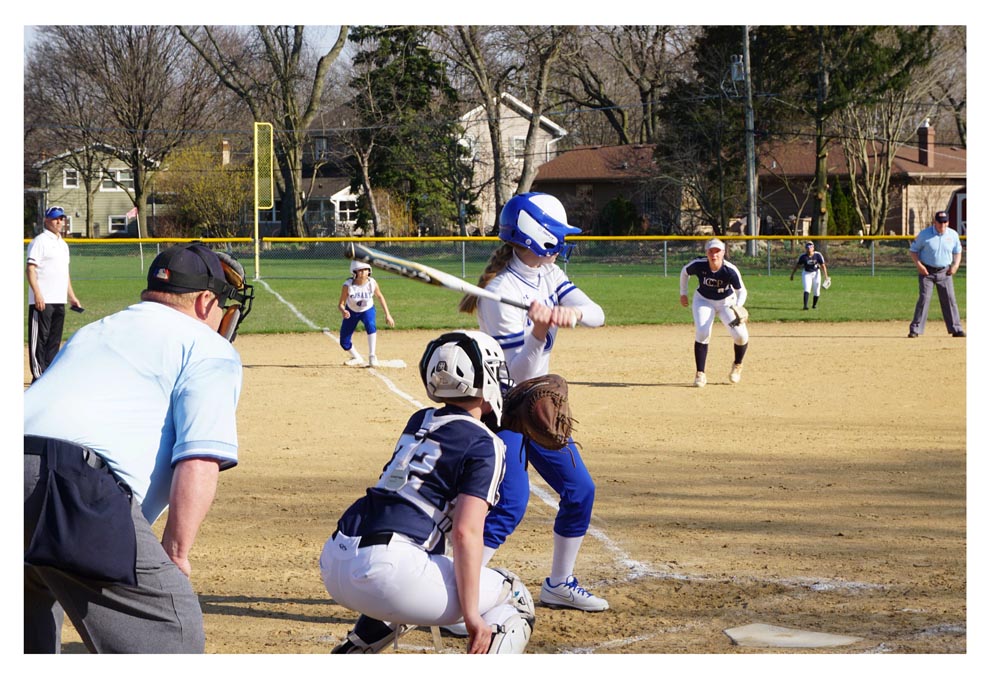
<point>225,152</point>
<point>926,144</point>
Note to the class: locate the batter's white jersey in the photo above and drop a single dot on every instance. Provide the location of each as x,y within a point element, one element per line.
<point>525,355</point>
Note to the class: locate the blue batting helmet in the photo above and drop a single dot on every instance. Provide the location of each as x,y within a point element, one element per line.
<point>536,221</point>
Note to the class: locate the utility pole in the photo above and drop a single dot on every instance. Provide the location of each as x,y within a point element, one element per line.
<point>752,222</point>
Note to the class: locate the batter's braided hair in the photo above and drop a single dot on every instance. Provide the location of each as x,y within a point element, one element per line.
<point>498,261</point>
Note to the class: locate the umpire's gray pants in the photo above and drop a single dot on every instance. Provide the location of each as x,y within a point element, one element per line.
<point>160,615</point>
<point>946,299</point>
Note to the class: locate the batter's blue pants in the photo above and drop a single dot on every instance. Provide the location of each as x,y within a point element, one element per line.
<point>349,325</point>
<point>563,469</point>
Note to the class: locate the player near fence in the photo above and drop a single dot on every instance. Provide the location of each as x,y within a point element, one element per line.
<point>386,558</point>
<point>49,288</point>
<point>357,305</point>
<point>814,274</point>
<point>533,227</point>
<point>720,293</point>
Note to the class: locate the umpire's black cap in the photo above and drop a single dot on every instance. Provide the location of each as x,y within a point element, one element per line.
<point>190,267</point>
<point>942,216</point>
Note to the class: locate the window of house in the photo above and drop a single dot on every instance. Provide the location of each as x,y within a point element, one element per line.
<point>117,180</point>
<point>519,147</point>
<point>321,148</point>
<point>118,223</point>
<point>347,211</point>
<point>70,179</point>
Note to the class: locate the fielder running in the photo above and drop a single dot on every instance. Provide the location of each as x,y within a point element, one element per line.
<point>533,227</point>
<point>386,558</point>
<point>813,273</point>
<point>720,287</point>
<point>357,305</point>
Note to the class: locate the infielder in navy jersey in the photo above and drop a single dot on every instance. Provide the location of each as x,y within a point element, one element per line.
<point>386,558</point>
<point>813,272</point>
<point>720,286</point>
<point>357,305</point>
<point>533,227</point>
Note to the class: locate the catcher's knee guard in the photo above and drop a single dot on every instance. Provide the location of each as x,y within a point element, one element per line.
<point>517,595</point>
<point>510,636</point>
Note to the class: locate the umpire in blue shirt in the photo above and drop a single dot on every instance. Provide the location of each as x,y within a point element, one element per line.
<point>937,253</point>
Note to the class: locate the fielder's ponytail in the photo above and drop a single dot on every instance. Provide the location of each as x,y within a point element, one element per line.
<point>498,261</point>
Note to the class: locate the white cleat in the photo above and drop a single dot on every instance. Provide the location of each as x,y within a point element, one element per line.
<point>700,380</point>
<point>736,373</point>
<point>357,360</point>
<point>373,361</point>
<point>569,594</point>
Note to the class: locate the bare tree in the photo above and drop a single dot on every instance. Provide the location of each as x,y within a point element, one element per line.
<point>269,70</point>
<point>610,66</point>
<point>485,54</point>
<point>135,90</point>
<point>542,47</point>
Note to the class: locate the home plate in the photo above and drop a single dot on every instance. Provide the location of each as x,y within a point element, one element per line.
<point>394,363</point>
<point>760,635</point>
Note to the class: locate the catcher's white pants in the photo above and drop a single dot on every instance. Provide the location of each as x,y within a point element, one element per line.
<point>812,279</point>
<point>704,311</point>
<point>401,583</point>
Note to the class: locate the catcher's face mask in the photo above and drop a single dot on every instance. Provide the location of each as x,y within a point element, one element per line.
<point>236,297</point>
<point>171,272</point>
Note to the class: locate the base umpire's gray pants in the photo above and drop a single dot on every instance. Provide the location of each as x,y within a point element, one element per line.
<point>161,615</point>
<point>946,299</point>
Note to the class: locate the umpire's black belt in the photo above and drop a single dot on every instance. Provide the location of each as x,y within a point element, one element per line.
<point>934,269</point>
<point>371,540</point>
<point>35,445</point>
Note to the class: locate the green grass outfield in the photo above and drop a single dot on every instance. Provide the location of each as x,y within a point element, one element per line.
<point>631,294</point>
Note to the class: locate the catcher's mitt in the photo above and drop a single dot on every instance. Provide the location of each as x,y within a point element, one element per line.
<point>740,313</point>
<point>538,409</point>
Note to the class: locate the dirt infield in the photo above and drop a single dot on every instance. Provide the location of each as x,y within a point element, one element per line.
<point>825,492</point>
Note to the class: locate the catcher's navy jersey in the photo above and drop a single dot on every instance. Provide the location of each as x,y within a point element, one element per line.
<point>713,284</point>
<point>440,454</point>
<point>811,263</point>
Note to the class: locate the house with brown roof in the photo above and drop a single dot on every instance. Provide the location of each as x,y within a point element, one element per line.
<point>587,179</point>
<point>925,178</point>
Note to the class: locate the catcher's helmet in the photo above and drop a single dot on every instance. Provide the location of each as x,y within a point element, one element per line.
<point>465,363</point>
<point>357,266</point>
<point>536,221</point>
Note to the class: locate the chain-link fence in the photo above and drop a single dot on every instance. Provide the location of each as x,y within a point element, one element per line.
<point>323,258</point>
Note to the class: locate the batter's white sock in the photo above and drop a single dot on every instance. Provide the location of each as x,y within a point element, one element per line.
<point>565,551</point>
<point>354,353</point>
<point>486,555</point>
<point>372,342</point>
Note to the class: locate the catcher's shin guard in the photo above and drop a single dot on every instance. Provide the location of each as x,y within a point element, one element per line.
<point>371,636</point>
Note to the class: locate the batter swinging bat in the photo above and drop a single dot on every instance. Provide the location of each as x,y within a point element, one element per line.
<point>422,273</point>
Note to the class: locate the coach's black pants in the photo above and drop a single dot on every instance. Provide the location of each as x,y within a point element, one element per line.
<point>44,336</point>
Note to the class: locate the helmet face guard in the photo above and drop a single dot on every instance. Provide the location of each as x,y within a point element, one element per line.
<point>524,222</point>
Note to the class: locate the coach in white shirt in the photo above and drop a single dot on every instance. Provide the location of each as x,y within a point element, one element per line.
<point>49,287</point>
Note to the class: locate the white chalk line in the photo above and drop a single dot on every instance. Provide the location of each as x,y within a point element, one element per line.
<point>633,569</point>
